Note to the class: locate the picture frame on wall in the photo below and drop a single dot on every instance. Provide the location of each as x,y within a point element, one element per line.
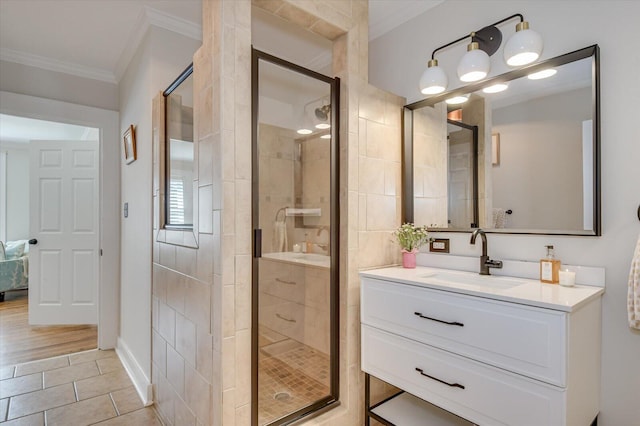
<point>129,140</point>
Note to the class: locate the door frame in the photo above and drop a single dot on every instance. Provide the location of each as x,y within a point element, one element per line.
<point>333,398</point>
<point>109,150</point>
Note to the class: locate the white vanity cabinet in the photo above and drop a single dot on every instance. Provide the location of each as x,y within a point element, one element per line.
<point>522,355</point>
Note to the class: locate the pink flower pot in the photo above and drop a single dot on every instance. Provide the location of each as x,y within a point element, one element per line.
<point>409,259</point>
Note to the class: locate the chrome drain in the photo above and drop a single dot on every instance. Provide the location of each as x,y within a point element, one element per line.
<point>282,396</point>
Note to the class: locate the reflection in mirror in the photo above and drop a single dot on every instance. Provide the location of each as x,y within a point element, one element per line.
<point>534,168</point>
<point>179,152</point>
<point>294,214</point>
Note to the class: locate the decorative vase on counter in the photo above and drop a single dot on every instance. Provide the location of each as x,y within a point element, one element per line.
<point>409,259</point>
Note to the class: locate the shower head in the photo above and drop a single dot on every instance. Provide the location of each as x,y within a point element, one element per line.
<point>322,113</point>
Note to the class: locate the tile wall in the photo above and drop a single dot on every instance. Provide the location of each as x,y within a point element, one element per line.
<point>430,165</point>
<point>201,296</point>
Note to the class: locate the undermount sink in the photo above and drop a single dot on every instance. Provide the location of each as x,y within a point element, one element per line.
<point>469,279</point>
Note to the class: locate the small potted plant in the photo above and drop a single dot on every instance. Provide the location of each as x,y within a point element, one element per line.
<point>411,238</point>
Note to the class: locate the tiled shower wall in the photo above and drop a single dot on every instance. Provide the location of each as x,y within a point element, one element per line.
<point>277,160</point>
<point>201,305</point>
<point>476,113</point>
<point>430,166</point>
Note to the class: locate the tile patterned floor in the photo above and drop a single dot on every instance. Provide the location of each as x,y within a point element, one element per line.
<point>289,378</point>
<point>84,388</point>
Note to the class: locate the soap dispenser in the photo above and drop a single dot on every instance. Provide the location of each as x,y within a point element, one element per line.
<point>550,268</point>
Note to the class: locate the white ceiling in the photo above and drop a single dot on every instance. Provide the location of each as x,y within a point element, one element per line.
<point>90,38</point>
<point>97,38</point>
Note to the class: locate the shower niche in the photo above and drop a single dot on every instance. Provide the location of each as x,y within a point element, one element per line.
<point>295,221</point>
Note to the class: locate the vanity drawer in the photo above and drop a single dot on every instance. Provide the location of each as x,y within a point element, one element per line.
<point>475,391</point>
<point>523,339</point>
<point>282,280</point>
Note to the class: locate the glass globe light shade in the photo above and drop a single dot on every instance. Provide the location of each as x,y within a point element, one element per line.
<point>433,80</point>
<point>524,47</point>
<point>474,65</point>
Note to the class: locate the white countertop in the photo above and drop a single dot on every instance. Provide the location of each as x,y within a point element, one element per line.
<point>510,289</point>
<point>305,259</point>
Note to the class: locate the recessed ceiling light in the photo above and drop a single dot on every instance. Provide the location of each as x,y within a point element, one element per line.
<point>327,136</point>
<point>500,87</point>
<point>322,126</point>
<point>304,131</point>
<point>542,74</point>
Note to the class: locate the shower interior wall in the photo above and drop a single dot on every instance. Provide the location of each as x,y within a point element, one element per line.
<point>207,290</point>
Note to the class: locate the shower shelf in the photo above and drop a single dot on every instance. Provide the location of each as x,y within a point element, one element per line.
<point>303,212</point>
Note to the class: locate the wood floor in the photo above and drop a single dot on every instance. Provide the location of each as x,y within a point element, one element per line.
<point>20,342</point>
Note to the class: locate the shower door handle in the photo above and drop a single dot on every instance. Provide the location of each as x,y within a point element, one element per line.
<point>257,242</point>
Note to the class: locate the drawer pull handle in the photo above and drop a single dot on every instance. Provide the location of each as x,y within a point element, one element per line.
<point>285,318</point>
<point>437,320</point>
<point>453,385</point>
<point>285,282</point>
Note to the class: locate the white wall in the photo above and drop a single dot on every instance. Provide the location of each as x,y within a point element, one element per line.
<point>540,172</point>
<point>107,121</point>
<point>565,26</point>
<point>17,174</point>
<point>28,80</point>
<point>161,57</point>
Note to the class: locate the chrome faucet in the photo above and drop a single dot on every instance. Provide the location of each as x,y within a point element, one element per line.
<point>485,261</point>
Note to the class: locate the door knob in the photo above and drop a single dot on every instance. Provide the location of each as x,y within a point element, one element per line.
<point>33,241</point>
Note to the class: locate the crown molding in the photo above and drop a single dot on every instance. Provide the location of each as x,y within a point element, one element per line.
<point>173,23</point>
<point>57,65</point>
<point>140,29</point>
<point>148,17</point>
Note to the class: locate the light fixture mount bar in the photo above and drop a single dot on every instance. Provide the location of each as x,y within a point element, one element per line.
<point>488,38</point>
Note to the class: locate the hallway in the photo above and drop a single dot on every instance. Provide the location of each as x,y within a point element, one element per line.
<point>84,388</point>
<point>20,342</point>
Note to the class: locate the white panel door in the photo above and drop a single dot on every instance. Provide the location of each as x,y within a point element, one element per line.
<point>64,202</point>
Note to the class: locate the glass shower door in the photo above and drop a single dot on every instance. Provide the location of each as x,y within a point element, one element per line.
<point>295,248</point>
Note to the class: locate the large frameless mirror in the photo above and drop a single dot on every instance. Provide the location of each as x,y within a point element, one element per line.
<point>179,154</point>
<point>295,221</point>
<point>518,153</point>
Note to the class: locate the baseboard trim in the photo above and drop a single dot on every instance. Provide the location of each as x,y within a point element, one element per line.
<point>140,380</point>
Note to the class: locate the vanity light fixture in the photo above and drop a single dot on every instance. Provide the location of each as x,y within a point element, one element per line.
<point>434,79</point>
<point>496,88</point>
<point>542,74</point>
<point>457,100</point>
<point>524,47</point>
<point>474,65</point>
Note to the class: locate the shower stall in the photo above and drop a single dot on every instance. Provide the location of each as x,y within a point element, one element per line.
<point>295,250</point>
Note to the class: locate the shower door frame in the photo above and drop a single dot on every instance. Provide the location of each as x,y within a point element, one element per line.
<point>334,324</point>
